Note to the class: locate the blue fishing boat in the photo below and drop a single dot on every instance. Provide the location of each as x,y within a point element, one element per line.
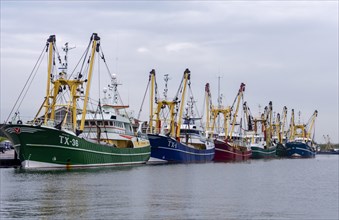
<point>300,149</point>
<point>300,144</point>
<point>177,139</point>
<point>167,149</point>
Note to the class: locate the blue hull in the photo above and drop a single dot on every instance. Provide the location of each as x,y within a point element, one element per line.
<point>168,149</point>
<point>298,149</point>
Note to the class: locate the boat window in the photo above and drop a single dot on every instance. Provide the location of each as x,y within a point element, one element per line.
<point>99,123</point>
<point>189,131</point>
<point>92,123</point>
<point>188,121</point>
<point>128,127</point>
<point>113,117</point>
<point>106,122</point>
<point>111,123</point>
<point>86,123</point>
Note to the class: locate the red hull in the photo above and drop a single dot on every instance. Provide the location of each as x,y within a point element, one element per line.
<point>225,152</point>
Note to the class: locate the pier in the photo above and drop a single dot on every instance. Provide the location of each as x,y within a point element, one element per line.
<point>8,159</point>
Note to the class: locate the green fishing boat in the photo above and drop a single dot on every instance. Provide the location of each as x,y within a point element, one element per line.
<point>263,153</point>
<point>279,134</point>
<point>49,141</point>
<point>261,143</point>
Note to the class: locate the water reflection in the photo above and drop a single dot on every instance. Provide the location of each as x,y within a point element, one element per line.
<point>259,189</point>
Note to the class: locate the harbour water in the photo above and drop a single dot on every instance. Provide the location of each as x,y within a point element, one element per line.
<point>256,189</point>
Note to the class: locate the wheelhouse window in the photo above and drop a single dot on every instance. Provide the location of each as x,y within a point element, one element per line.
<point>189,131</point>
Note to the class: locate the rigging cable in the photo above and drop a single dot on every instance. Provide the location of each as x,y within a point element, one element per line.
<point>84,55</point>
<point>30,83</point>
<point>143,100</point>
<point>25,84</point>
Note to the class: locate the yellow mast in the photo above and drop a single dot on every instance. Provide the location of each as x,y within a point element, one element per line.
<point>278,128</point>
<point>50,42</point>
<point>283,123</point>
<point>240,93</point>
<point>151,101</point>
<point>226,112</point>
<point>245,109</point>
<point>292,125</point>
<point>161,105</point>
<point>182,101</point>
<point>315,114</point>
<point>208,107</point>
<point>95,38</point>
<point>269,127</point>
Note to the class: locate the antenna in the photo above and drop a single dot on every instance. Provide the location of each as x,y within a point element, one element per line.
<point>114,88</point>
<point>299,113</point>
<point>65,63</point>
<point>166,78</point>
<point>219,103</point>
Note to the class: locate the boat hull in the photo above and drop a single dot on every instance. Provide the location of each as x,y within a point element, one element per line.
<point>46,147</point>
<point>299,150</point>
<point>224,152</point>
<point>281,150</point>
<point>261,153</point>
<point>165,148</point>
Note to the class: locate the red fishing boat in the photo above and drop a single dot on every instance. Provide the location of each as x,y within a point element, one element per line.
<point>228,146</point>
<point>224,151</point>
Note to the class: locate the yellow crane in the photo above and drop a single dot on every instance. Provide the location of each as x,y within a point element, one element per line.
<point>284,117</point>
<point>175,122</point>
<point>312,121</point>
<point>212,112</point>
<point>62,82</point>
<point>238,98</point>
<point>300,130</point>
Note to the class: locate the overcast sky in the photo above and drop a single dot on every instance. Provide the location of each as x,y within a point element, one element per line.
<point>284,51</point>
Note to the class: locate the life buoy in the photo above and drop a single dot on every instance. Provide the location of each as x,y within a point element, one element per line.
<point>19,122</point>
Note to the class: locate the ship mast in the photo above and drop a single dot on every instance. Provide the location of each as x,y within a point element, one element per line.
<point>269,127</point>
<point>315,114</point>
<point>219,104</point>
<point>283,123</point>
<point>50,43</point>
<point>239,96</point>
<point>95,48</point>
<point>166,78</point>
<point>151,101</point>
<point>278,128</point>
<point>208,106</point>
<point>182,101</point>
<point>292,125</point>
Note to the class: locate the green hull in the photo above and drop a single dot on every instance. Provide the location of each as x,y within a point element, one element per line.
<point>44,147</point>
<point>260,153</point>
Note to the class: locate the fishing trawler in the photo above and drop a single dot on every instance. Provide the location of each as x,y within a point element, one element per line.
<point>229,146</point>
<point>261,141</point>
<point>279,134</point>
<point>51,142</point>
<point>111,123</point>
<point>301,143</point>
<point>177,140</point>
<point>327,148</point>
